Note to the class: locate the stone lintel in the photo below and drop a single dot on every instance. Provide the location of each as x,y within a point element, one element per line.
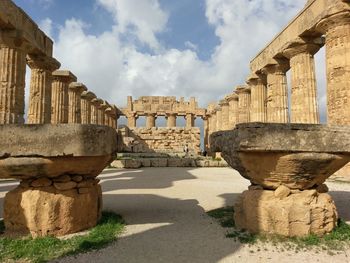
<point>14,18</point>
<point>304,24</point>
<point>44,140</point>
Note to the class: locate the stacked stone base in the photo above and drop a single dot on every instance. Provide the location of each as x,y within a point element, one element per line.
<point>57,207</point>
<point>286,212</point>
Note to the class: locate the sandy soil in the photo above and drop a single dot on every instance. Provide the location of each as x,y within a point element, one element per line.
<point>165,209</point>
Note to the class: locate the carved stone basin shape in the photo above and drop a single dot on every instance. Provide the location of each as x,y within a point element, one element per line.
<point>287,165</point>
<point>299,156</point>
<point>57,166</point>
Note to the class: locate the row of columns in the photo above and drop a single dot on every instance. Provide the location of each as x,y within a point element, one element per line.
<point>55,96</point>
<point>151,120</point>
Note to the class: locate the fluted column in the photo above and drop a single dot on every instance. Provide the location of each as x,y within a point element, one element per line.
<point>190,118</point>
<point>277,93</point>
<point>132,117</point>
<point>337,31</point>
<point>218,118</point>
<point>243,93</point>
<point>171,120</point>
<point>257,84</point>
<point>233,110</point>
<point>12,78</point>
<point>206,133</point>
<point>40,88</point>
<point>304,106</point>
<point>101,113</point>
<point>150,120</point>
<point>95,115</point>
<point>86,98</point>
<point>225,114</point>
<point>75,90</point>
<point>59,101</point>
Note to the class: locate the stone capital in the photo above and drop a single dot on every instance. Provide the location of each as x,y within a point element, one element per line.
<point>64,76</point>
<point>77,87</point>
<point>42,62</point>
<point>256,79</point>
<point>96,102</point>
<point>231,97</point>
<point>302,46</point>
<point>276,67</point>
<point>88,95</point>
<point>223,102</point>
<point>242,89</point>
<point>333,21</point>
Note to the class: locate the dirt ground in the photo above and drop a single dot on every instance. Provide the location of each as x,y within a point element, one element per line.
<point>165,209</point>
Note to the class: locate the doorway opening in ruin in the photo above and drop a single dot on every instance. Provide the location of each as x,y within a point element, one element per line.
<point>321,78</point>
<point>181,121</point>
<point>141,122</point>
<point>122,121</point>
<point>200,124</point>
<point>161,122</point>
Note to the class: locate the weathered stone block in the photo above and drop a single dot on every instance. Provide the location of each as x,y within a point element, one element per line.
<point>48,211</point>
<point>301,214</point>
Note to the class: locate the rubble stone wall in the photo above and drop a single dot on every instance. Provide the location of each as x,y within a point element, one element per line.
<point>165,140</point>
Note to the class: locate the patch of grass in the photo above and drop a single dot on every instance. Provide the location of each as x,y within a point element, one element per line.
<point>44,249</point>
<point>338,239</point>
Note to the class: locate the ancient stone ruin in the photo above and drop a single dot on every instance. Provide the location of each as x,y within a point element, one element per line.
<point>69,134</point>
<point>54,156</point>
<point>287,164</point>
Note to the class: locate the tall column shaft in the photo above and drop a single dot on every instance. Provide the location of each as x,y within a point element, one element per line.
<point>218,119</point>
<point>131,121</point>
<point>59,101</point>
<point>12,77</point>
<point>190,120</point>
<point>258,100</point>
<point>225,115</point>
<point>150,120</point>
<point>74,101</point>
<point>101,115</point>
<point>338,72</point>
<point>233,110</point>
<point>206,133</point>
<point>304,106</point>
<point>277,95</point>
<point>171,120</point>
<point>243,104</point>
<point>213,123</point>
<point>86,106</point>
<point>40,88</point>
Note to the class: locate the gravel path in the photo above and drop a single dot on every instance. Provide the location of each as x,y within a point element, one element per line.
<point>165,209</point>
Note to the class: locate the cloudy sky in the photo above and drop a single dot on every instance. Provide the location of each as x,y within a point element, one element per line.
<point>199,48</point>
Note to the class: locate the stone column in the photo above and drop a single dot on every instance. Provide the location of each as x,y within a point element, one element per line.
<point>218,118</point>
<point>337,31</point>
<point>304,106</point>
<point>101,113</point>
<point>150,120</point>
<point>12,78</point>
<point>213,122</point>
<point>40,88</point>
<point>233,110</point>
<point>225,114</point>
<point>257,84</point>
<point>277,93</point>
<point>61,81</point>
<point>86,98</point>
<point>206,133</point>
<point>95,116</point>
<point>132,117</point>
<point>190,120</point>
<point>75,90</point>
<point>243,93</point>
<point>171,120</point>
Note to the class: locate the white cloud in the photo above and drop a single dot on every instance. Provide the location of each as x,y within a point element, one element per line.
<point>190,45</point>
<point>143,18</point>
<point>113,67</point>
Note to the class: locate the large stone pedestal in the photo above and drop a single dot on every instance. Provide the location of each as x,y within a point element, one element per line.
<point>293,214</point>
<point>285,163</point>
<point>57,166</point>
